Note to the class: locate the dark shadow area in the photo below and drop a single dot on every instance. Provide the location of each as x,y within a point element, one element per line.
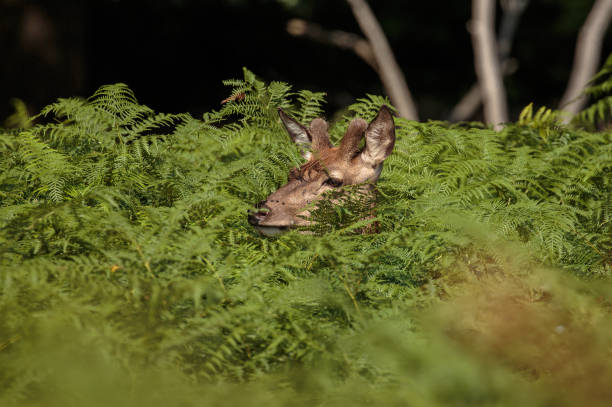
<point>174,54</point>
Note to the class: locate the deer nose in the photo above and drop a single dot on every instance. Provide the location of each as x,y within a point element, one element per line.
<point>255,217</point>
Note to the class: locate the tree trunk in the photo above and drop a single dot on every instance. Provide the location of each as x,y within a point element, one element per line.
<point>587,56</point>
<point>486,61</point>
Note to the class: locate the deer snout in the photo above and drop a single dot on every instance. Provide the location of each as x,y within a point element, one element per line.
<point>257,216</point>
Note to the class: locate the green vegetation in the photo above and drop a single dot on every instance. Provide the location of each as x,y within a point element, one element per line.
<point>600,90</point>
<point>129,275</point>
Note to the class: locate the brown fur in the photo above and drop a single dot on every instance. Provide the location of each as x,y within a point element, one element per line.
<point>327,167</point>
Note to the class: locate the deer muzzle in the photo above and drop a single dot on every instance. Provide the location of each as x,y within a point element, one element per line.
<point>258,218</point>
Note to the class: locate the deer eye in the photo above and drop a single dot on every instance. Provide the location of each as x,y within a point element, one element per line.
<point>335,183</point>
<point>294,174</point>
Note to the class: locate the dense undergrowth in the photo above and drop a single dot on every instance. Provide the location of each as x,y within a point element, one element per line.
<point>129,274</point>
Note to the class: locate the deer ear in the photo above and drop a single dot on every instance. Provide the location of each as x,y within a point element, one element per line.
<point>298,133</point>
<point>380,138</point>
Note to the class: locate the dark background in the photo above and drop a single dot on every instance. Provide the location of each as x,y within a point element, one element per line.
<point>174,54</point>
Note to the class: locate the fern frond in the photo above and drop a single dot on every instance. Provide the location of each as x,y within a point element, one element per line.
<point>599,89</point>
<point>20,119</point>
<point>126,231</point>
<point>311,105</point>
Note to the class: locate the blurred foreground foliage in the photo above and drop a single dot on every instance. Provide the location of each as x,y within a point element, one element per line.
<point>129,275</point>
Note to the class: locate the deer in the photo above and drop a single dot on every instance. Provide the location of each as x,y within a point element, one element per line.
<point>327,168</point>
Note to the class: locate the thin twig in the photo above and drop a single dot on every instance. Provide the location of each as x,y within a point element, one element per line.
<point>144,259</point>
<point>348,290</point>
<point>9,342</point>
<point>605,258</point>
<point>390,73</point>
<point>512,12</point>
<point>341,39</point>
<point>471,101</point>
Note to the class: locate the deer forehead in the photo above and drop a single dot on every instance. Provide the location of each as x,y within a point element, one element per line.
<point>360,172</point>
<point>350,172</point>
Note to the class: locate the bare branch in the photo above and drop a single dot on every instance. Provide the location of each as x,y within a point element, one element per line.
<point>512,12</point>
<point>587,56</point>
<point>487,64</point>
<point>471,101</point>
<point>342,39</point>
<point>389,71</point>
<point>468,105</point>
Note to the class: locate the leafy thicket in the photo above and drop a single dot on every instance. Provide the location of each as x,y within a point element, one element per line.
<point>129,274</point>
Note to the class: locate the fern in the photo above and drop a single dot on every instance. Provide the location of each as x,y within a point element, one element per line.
<point>598,91</point>
<point>20,118</point>
<point>544,120</point>
<point>310,105</point>
<point>127,262</point>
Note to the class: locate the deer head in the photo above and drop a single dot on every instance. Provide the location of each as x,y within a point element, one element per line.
<point>327,168</point>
